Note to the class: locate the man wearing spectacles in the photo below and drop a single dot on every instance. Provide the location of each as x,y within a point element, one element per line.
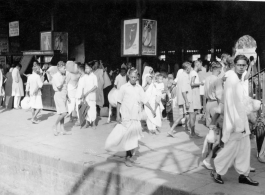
<point>235,142</point>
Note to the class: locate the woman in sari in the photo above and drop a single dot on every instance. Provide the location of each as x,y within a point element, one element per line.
<point>151,94</point>
<point>147,70</point>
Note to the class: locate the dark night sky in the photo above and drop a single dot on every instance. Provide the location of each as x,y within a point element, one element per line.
<point>180,24</point>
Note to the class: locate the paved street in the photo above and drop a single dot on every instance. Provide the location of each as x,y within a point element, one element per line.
<point>159,154</point>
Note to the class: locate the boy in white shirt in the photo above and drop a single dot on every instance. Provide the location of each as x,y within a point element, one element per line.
<point>33,89</point>
<point>121,79</point>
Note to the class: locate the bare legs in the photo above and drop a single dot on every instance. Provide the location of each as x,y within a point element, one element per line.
<point>59,122</point>
<point>35,112</point>
<point>192,124</point>
<point>171,131</point>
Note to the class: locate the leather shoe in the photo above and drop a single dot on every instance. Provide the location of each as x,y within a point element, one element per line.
<point>217,178</point>
<point>252,169</point>
<point>247,180</point>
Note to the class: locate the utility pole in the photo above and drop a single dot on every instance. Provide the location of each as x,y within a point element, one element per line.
<point>140,9</point>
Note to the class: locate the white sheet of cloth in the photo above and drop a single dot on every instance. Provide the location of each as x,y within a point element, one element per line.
<point>235,116</point>
<point>151,94</point>
<point>245,83</point>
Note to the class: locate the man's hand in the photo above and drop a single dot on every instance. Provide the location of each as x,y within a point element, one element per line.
<point>118,119</point>
<point>202,83</point>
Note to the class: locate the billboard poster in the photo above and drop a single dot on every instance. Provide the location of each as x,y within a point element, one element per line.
<point>45,41</point>
<point>60,42</point>
<point>13,29</point>
<point>131,37</point>
<point>4,45</point>
<point>149,37</point>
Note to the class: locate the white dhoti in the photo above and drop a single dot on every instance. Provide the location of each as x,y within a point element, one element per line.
<point>124,137</point>
<point>92,111</point>
<point>71,105</point>
<point>210,111</point>
<point>235,152</point>
<point>36,102</point>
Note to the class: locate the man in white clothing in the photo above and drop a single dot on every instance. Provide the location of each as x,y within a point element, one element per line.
<point>235,142</point>
<point>33,89</point>
<point>121,79</point>
<point>86,91</point>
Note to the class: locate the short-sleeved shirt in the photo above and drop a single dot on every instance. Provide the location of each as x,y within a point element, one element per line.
<point>131,97</point>
<point>120,80</point>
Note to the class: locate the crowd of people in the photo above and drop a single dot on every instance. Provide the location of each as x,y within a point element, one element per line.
<point>160,96</point>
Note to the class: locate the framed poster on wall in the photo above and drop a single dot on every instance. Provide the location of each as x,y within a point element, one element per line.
<point>130,43</point>
<point>46,41</point>
<point>149,37</point>
<point>60,42</point>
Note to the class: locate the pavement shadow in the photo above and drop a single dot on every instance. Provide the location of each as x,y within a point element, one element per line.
<point>113,176</point>
<point>45,117</point>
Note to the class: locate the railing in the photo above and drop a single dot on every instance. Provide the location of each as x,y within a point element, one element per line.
<point>257,85</point>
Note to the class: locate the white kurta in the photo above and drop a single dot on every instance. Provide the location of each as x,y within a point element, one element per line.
<point>17,85</point>
<point>236,131</point>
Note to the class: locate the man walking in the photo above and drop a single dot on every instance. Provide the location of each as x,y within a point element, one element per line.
<point>235,142</point>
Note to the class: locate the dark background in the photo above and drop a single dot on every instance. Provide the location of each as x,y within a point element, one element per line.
<point>181,24</point>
